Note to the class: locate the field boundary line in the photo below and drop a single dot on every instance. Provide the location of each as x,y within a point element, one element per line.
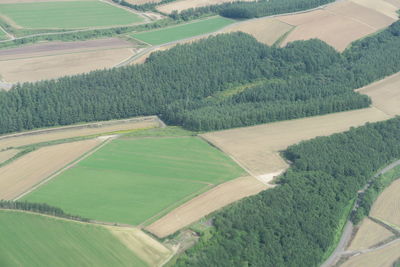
<point>66,167</point>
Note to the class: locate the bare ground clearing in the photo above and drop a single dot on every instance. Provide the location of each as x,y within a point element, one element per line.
<point>257,147</point>
<point>383,257</point>
<point>51,134</point>
<point>387,206</point>
<point>186,4</point>
<point>56,48</point>
<point>145,247</point>
<point>369,234</point>
<point>265,30</point>
<point>27,171</point>
<point>7,154</point>
<point>51,67</point>
<point>385,94</point>
<point>206,203</point>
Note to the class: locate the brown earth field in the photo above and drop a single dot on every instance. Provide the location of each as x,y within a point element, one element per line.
<point>186,4</point>
<point>338,24</point>
<point>265,30</point>
<point>385,94</point>
<point>7,154</point>
<point>379,258</point>
<point>51,134</point>
<point>145,247</point>
<point>387,206</point>
<point>57,48</point>
<point>369,234</point>
<point>22,174</point>
<point>51,67</point>
<point>206,203</point>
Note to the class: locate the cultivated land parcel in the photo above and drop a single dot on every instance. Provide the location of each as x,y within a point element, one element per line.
<point>133,180</point>
<point>32,240</point>
<point>67,15</point>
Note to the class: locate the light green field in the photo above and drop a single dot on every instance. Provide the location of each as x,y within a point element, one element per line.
<point>3,35</point>
<point>132,180</point>
<point>183,31</point>
<point>67,15</point>
<point>34,240</point>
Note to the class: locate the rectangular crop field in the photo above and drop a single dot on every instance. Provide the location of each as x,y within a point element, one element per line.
<point>183,31</point>
<point>132,180</point>
<point>66,15</point>
<point>35,240</point>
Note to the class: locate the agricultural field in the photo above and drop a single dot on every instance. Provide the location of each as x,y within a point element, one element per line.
<point>27,171</point>
<point>174,33</point>
<point>265,30</point>
<point>369,234</point>
<point>75,131</point>
<point>3,35</point>
<point>65,15</point>
<point>186,4</point>
<point>383,257</point>
<point>338,24</point>
<point>7,154</point>
<point>387,206</point>
<point>36,240</point>
<point>142,2</point>
<point>133,180</point>
<point>206,203</point>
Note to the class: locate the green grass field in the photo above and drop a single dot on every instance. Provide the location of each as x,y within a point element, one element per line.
<point>67,15</point>
<point>34,240</point>
<point>132,180</point>
<point>183,31</point>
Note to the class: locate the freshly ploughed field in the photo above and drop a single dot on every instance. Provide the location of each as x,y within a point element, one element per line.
<point>66,15</point>
<point>36,240</point>
<point>133,180</point>
<point>183,31</point>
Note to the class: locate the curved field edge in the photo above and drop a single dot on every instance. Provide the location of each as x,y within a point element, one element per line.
<point>34,240</point>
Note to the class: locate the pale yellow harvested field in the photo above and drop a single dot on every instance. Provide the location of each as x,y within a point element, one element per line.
<point>51,134</point>
<point>141,2</point>
<point>385,94</point>
<point>368,235</point>
<point>395,3</point>
<point>186,4</point>
<point>145,247</point>
<point>380,6</point>
<point>387,206</point>
<point>338,24</point>
<point>378,258</point>
<point>206,203</point>
<point>50,67</point>
<point>265,30</point>
<point>257,147</point>
<point>7,154</point>
<point>22,174</point>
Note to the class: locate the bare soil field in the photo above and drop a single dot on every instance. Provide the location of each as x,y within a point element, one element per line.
<point>368,235</point>
<point>387,206</point>
<point>383,257</point>
<point>145,247</point>
<point>186,4</point>
<point>50,67</point>
<point>206,203</point>
<point>381,6</point>
<point>7,154</point>
<point>25,172</point>
<point>265,30</point>
<point>395,3</point>
<point>51,134</point>
<point>57,48</point>
<point>338,24</point>
<point>142,2</point>
<point>257,147</point>
<point>385,94</point>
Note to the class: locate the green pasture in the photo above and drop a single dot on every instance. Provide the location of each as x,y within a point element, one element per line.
<point>132,180</point>
<point>66,15</point>
<point>183,31</point>
<point>34,240</point>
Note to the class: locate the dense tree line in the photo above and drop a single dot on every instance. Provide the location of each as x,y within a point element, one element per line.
<point>295,223</point>
<point>191,85</point>
<point>39,208</point>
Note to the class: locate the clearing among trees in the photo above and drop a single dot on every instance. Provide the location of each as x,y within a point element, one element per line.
<point>134,180</point>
